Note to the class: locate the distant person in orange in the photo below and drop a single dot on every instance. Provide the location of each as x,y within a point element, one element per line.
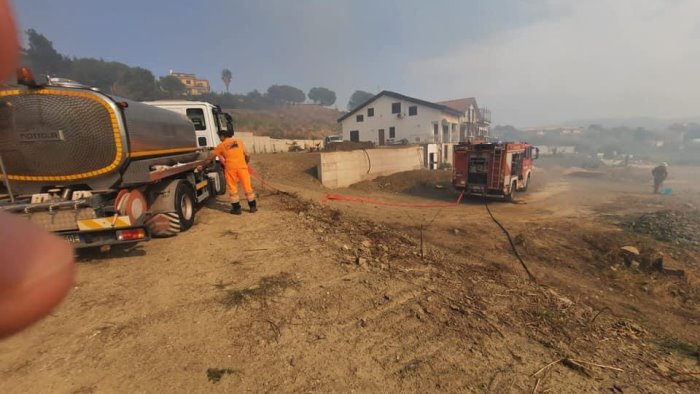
<point>235,158</point>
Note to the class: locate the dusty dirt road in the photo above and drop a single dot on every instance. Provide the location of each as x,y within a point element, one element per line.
<point>339,296</point>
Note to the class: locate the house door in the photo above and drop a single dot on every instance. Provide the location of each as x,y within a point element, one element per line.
<point>381,137</point>
<point>355,135</point>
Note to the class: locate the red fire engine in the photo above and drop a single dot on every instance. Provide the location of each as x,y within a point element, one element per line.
<point>493,169</point>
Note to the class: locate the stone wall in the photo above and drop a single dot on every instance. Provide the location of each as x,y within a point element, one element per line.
<point>260,144</point>
<point>342,169</point>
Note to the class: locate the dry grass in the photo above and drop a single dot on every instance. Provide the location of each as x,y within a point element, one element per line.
<point>215,374</point>
<point>267,287</point>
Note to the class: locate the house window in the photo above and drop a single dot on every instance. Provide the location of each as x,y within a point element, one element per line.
<point>360,118</point>
<point>188,82</point>
<point>413,110</point>
<point>354,136</point>
<point>392,132</point>
<point>370,112</point>
<point>196,116</point>
<point>395,108</point>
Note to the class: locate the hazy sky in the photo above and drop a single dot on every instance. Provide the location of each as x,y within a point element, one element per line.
<point>532,62</point>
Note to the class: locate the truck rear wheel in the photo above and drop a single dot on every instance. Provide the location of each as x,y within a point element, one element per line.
<point>173,210</point>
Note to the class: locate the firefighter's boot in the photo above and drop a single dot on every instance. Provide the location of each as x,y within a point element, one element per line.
<point>253,206</point>
<point>236,208</point>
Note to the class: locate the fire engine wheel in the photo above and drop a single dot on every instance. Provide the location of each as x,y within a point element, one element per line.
<point>511,193</point>
<point>527,184</point>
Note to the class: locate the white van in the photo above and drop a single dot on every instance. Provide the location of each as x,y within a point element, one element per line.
<point>331,139</point>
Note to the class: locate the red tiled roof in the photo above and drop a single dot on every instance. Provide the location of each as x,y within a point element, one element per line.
<point>461,105</point>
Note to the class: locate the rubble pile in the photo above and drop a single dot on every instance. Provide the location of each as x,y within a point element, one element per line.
<point>681,228</point>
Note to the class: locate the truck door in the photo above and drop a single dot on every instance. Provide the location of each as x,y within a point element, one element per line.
<point>516,165</point>
<point>202,123</point>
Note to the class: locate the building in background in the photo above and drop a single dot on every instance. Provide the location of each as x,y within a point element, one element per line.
<point>390,118</point>
<point>476,121</point>
<point>194,85</point>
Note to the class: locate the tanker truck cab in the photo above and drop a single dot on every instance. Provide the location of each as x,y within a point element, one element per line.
<point>208,119</point>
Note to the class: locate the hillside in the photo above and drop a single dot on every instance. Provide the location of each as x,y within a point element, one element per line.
<point>296,121</point>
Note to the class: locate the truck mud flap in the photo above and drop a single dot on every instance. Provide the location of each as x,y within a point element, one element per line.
<point>164,224</point>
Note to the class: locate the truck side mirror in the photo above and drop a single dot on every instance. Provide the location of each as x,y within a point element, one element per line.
<point>229,122</point>
<point>537,153</point>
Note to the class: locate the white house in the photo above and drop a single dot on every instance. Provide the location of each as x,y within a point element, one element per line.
<point>391,118</point>
<point>476,122</point>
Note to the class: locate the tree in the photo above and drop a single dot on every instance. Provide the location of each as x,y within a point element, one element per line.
<point>357,98</point>
<point>226,76</point>
<point>96,73</point>
<point>137,84</point>
<point>42,57</point>
<point>323,96</point>
<point>172,86</point>
<point>282,94</point>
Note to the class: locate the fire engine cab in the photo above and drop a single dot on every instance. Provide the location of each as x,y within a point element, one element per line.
<point>493,169</point>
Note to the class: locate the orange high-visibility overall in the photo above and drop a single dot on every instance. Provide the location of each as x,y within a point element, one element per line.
<point>232,150</point>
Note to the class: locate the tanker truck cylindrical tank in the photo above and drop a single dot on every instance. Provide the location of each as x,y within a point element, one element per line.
<point>62,136</point>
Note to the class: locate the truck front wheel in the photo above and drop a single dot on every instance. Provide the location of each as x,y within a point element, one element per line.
<point>221,189</point>
<point>184,198</point>
<point>173,209</point>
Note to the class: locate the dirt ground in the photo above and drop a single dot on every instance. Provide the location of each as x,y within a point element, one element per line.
<point>340,296</point>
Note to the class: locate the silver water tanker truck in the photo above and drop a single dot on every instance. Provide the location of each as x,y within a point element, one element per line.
<point>98,169</point>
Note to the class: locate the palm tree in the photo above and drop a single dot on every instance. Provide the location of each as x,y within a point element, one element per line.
<point>226,76</point>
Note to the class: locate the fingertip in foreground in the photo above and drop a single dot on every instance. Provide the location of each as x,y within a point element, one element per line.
<point>9,45</point>
<point>36,273</point>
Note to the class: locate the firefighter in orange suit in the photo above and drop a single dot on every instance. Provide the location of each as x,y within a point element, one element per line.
<point>235,158</point>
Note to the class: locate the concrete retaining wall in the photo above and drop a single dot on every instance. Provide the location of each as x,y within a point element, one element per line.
<point>259,144</point>
<point>342,169</point>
